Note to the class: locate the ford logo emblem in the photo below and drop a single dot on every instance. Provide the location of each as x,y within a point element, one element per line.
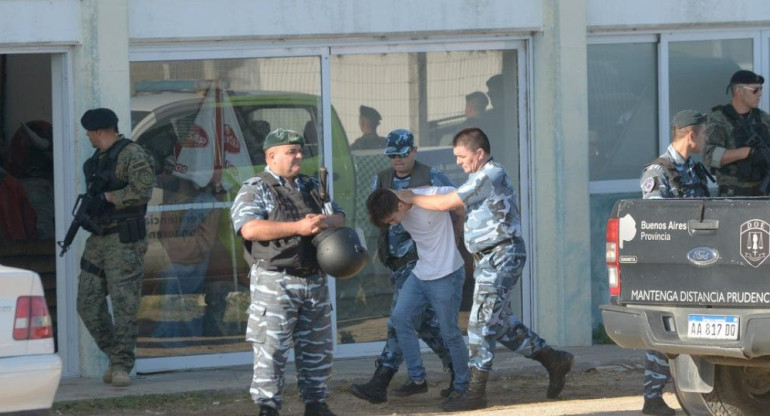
<point>703,256</point>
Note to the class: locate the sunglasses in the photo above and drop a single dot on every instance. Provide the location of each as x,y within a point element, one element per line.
<point>754,90</point>
<point>399,156</point>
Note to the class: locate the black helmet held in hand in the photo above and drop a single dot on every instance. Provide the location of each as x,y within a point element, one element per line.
<point>340,253</point>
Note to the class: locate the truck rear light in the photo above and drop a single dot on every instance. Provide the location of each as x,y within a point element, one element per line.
<point>32,320</point>
<point>611,255</point>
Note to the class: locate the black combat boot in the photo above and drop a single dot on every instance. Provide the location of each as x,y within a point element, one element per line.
<point>409,388</point>
<point>317,409</point>
<point>558,364</point>
<point>473,398</point>
<point>375,390</point>
<point>267,411</point>
<point>656,406</point>
<point>447,391</point>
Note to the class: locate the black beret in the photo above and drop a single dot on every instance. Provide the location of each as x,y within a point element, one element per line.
<point>369,113</point>
<point>745,77</point>
<point>99,118</point>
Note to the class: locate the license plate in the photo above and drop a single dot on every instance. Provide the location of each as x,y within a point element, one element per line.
<point>712,327</point>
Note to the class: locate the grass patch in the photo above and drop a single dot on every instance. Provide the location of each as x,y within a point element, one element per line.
<point>599,336</point>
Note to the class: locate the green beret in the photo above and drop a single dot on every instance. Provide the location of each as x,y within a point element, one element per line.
<point>687,118</point>
<point>280,137</point>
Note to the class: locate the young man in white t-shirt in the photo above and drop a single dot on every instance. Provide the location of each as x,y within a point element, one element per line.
<point>436,280</point>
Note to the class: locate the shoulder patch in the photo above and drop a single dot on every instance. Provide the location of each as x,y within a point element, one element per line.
<point>648,185</point>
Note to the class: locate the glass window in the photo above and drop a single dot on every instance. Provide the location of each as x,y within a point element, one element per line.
<point>699,72</point>
<point>435,95</point>
<point>204,122</point>
<point>622,109</point>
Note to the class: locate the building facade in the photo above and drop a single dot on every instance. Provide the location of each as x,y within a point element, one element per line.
<point>580,96</point>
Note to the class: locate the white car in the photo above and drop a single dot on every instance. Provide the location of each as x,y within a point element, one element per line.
<point>29,368</point>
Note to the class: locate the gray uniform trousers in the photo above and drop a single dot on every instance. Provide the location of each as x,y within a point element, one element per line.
<point>656,374</point>
<point>491,318</point>
<point>288,309</point>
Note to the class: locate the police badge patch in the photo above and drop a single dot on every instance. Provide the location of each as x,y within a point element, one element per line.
<point>648,185</point>
<point>755,242</point>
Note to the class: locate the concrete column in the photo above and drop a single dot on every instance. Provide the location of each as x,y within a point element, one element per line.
<point>101,80</point>
<point>561,253</point>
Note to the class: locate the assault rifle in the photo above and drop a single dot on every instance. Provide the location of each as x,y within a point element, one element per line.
<point>759,146</point>
<point>87,206</point>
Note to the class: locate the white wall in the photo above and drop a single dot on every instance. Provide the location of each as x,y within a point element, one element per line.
<point>29,22</point>
<point>662,13</point>
<point>205,19</point>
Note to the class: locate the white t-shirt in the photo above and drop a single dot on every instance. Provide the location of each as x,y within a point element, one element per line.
<point>433,234</point>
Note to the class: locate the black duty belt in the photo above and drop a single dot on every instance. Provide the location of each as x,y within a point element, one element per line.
<point>489,250</point>
<point>398,262</point>
<point>294,271</point>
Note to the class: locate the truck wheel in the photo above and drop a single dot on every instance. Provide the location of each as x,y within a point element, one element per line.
<point>738,391</point>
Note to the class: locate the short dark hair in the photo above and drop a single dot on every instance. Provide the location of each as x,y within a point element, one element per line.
<point>473,138</point>
<point>381,204</point>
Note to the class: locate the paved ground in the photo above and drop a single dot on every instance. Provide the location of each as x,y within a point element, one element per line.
<point>345,372</point>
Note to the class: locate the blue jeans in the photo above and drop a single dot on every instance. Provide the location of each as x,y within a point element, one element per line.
<point>444,296</point>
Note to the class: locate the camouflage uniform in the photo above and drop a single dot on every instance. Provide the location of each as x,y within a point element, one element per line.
<point>285,309</point>
<point>402,245</point>
<point>728,130</point>
<point>110,267</point>
<point>493,235</point>
<point>682,179</point>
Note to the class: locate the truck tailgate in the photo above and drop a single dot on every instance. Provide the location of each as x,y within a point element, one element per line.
<point>705,252</point>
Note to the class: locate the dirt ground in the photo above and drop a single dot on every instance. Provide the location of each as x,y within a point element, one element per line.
<point>608,391</point>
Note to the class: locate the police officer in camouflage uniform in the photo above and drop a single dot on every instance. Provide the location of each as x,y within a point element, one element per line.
<point>397,251</point>
<point>736,132</point>
<point>493,236</point>
<point>277,213</point>
<point>673,175</point>
<point>120,174</point>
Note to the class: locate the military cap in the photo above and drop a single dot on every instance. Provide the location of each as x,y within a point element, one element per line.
<point>399,142</point>
<point>280,137</point>
<point>745,77</point>
<point>687,118</point>
<point>99,118</point>
<point>369,113</point>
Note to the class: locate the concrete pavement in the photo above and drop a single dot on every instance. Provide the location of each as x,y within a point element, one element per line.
<point>345,371</point>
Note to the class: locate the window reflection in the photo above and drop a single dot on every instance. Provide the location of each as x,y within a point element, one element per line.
<point>424,92</point>
<point>622,109</point>
<point>204,123</point>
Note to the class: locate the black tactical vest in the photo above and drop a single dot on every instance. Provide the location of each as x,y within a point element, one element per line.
<point>100,178</point>
<point>745,131</point>
<point>682,188</point>
<point>420,176</point>
<point>290,253</point>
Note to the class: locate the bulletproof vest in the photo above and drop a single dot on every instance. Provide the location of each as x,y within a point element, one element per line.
<point>294,252</point>
<point>420,176</point>
<point>744,129</point>
<point>100,178</point>
<point>685,188</point>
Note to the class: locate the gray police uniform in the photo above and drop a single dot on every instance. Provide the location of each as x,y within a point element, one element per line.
<point>669,176</point>
<point>401,259</point>
<point>493,236</point>
<point>288,304</point>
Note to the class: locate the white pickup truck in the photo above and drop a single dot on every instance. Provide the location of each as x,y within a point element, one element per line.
<point>29,368</point>
<point>691,278</point>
